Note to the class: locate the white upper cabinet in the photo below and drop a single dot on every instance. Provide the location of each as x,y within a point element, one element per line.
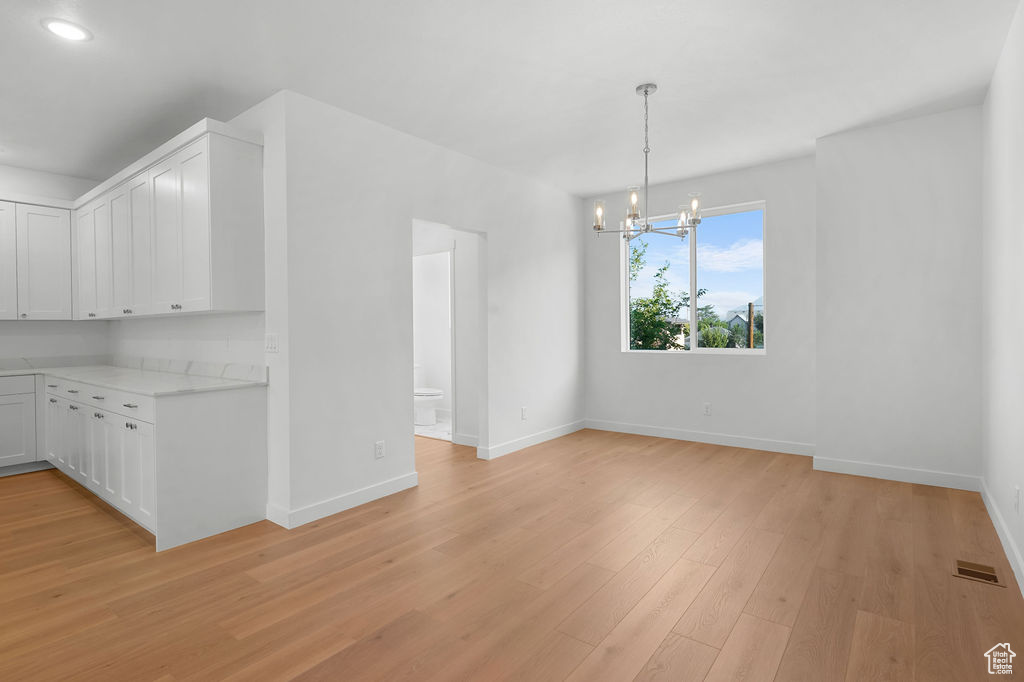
<point>141,237</point>
<point>184,234</point>
<point>85,242</point>
<point>43,237</point>
<point>120,252</point>
<point>196,242</point>
<point>165,181</point>
<point>8,263</point>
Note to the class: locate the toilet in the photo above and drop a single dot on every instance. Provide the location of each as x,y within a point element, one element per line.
<point>425,400</point>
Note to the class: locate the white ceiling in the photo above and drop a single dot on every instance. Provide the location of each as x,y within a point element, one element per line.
<point>544,88</point>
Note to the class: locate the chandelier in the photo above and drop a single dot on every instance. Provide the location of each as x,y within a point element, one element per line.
<point>636,224</point>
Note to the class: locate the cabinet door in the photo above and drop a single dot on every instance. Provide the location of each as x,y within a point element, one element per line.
<point>8,263</point>
<point>44,262</point>
<point>104,259</point>
<point>110,424</point>
<point>121,252</point>
<point>85,259</point>
<point>139,193</point>
<point>74,439</point>
<point>54,429</point>
<point>97,452</point>
<point>194,165</point>
<point>166,230</point>
<point>138,489</point>
<point>83,430</point>
<point>17,428</point>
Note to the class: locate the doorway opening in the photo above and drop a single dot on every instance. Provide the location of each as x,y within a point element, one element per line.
<point>449,332</point>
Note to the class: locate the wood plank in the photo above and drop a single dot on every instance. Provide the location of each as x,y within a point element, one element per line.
<point>785,582</point>
<point>626,545</point>
<point>560,563</point>
<point>678,659</point>
<point>592,621</point>
<point>624,652</point>
<point>713,614</point>
<point>819,646</point>
<point>882,649</point>
<point>752,652</point>
<point>889,576</point>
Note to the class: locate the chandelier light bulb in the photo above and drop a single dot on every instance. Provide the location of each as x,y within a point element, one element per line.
<point>633,210</point>
<point>598,216</point>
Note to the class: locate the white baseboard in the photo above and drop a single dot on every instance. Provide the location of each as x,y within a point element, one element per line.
<point>501,449</point>
<point>465,439</point>
<point>277,514</point>
<point>24,468</point>
<point>888,472</point>
<point>318,510</point>
<point>1003,531</point>
<point>789,447</point>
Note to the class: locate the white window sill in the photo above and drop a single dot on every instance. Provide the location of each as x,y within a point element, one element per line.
<point>739,352</point>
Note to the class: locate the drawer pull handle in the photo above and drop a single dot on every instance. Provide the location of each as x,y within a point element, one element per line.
<point>51,385</point>
<point>92,314</point>
<point>97,397</point>
<point>71,390</point>
<point>73,407</point>
<point>98,415</point>
<point>53,400</point>
<point>130,406</point>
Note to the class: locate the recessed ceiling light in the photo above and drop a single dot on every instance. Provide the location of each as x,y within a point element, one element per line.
<point>67,30</point>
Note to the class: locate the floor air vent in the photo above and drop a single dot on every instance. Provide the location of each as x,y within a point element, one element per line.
<point>978,572</point>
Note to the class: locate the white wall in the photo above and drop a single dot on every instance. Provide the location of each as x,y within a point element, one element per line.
<point>764,401</point>
<point>899,323</point>
<point>269,117</point>
<point>1003,327</point>
<point>470,283</point>
<point>32,183</point>
<point>41,339</point>
<point>431,322</point>
<point>349,189</point>
<point>220,338</point>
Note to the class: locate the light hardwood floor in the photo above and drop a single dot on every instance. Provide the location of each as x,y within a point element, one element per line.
<point>596,556</point>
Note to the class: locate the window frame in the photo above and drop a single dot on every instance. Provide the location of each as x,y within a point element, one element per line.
<point>695,349</point>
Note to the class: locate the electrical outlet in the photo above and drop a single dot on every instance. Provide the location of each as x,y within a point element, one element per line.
<point>707,409</point>
<point>378,450</point>
<point>522,413</point>
<point>272,344</point>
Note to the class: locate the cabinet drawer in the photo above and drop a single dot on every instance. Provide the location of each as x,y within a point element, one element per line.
<point>17,385</point>
<point>54,386</point>
<point>119,402</point>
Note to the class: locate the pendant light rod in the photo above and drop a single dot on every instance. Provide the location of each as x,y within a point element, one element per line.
<point>647,89</point>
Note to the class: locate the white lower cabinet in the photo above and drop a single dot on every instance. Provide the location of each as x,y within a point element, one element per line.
<point>204,472</point>
<point>17,420</point>
<point>108,453</point>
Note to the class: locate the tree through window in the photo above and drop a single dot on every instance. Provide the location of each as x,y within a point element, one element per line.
<point>729,310</point>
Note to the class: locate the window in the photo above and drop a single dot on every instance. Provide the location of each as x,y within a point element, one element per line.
<point>728,312</point>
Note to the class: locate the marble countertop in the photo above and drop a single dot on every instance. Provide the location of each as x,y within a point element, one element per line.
<point>132,380</point>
